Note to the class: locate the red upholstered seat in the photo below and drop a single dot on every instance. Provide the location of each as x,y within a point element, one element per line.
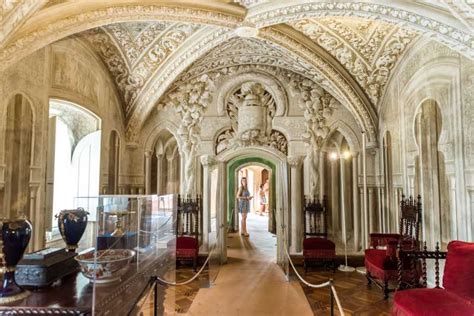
<point>318,248</point>
<point>430,302</point>
<point>457,297</point>
<point>459,269</point>
<point>380,265</point>
<point>186,246</point>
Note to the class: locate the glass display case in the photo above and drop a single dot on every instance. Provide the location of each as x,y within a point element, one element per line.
<point>129,241</point>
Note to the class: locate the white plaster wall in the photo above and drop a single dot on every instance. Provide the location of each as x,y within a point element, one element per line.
<point>65,70</point>
<point>433,71</point>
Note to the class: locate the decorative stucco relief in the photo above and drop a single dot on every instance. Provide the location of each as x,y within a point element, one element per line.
<point>363,112</point>
<point>368,49</point>
<point>456,38</point>
<point>109,13</point>
<point>169,71</point>
<point>133,52</point>
<point>251,109</point>
<point>190,101</point>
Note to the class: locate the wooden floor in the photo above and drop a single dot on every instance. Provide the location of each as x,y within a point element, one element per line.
<point>357,298</point>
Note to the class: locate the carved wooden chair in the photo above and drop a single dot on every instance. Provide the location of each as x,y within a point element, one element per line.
<point>188,227</point>
<point>316,247</point>
<point>381,260</point>
<point>457,296</point>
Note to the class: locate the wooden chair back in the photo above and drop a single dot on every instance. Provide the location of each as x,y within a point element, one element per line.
<point>315,217</point>
<point>410,220</point>
<point>189,221</point>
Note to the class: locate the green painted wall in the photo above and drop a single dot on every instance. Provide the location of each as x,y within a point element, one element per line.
<point>234,165</point>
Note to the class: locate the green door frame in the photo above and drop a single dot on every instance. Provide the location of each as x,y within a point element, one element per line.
<point>232,166</point>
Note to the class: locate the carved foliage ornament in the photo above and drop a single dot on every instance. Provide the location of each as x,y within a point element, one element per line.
<point>368,49</point>
<point>453,37</point>
<point>251,109</point>
<point>190,100</point>
<point>132,60</point>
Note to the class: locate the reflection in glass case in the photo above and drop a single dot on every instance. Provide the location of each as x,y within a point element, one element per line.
<point>129,241</point>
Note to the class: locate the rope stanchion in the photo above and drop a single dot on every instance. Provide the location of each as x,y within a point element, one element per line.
<point>173,283</point>
<point>314,286</point>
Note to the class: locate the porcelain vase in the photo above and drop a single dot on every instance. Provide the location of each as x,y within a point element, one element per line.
<point>72,224</point>
<point>15,236</point>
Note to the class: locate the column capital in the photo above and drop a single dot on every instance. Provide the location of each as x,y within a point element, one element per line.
<point>148,154</point>
<point>295,161</point>
<point>208,160</point>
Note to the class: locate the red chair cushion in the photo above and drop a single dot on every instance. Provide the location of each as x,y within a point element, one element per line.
<point>430,302</point>
<point>186,247</point>
<point>318,243</point>
<point>459,269</point>
<point>379,265</point>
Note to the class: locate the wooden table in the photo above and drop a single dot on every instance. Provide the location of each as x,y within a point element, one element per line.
<point>74,294</point>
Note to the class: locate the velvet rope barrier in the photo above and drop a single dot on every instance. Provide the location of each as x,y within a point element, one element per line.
<point>314,286</point>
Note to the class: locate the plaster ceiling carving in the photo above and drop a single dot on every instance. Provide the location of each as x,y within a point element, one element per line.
<point>134,51</point>
<point>368,49</point>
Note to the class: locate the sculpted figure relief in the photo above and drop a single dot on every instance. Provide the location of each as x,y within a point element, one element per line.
<point>190,101</point>
<point>317,105</point>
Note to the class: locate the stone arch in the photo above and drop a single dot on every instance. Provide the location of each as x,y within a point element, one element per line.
<point>268,156</point>
<point>427,20</point>
<point>433,184</point>
<point>348,132</point>
<point>19,139</point>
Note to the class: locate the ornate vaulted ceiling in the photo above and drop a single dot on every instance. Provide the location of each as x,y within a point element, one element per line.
<point>133,52</point>
<point>368,49</point>
<point>357,42</point>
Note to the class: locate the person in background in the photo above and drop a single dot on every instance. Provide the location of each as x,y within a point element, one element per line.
<point>263,199</point>
<point>243,199</point>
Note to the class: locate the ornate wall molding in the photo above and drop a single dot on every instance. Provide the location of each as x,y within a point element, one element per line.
<point>448,32</point>
<point>46,28</point>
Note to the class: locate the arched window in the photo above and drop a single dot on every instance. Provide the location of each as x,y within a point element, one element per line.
<point>73,162</point>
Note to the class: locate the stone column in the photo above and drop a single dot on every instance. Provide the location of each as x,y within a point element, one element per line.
<point>321,175</point>
<point>170,186</point>
<point>221,212</point>
<point>363,237</point>
<point>296,203</point>
<point>335,210</point>
<point>147,172</point>
<point>355,194</point>
<point>207,163</point>
<point>364,172</point>
<point>371,210</point>
<point>159,170</point>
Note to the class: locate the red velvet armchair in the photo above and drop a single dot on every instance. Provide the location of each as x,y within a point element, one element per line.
<point>316,246</point>
<point>188,228</point>
<point>381,260</point>
<point>457,297</point>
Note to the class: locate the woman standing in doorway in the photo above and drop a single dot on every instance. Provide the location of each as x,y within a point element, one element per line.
<point>243,198</point>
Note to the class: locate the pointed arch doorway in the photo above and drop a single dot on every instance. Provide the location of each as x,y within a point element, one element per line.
<point>276,164</point>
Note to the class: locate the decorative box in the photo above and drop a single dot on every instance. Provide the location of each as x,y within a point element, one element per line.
<point>43,267</point>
